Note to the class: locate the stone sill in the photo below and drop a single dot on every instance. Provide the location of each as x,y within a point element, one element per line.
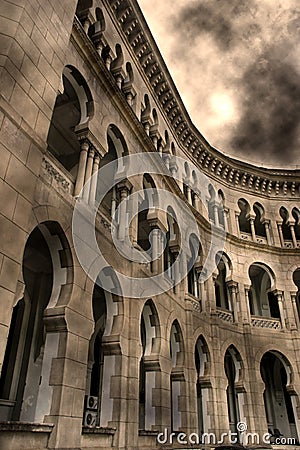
<point>148,433</point>
<point>26,426</point>
<point>98,430</point>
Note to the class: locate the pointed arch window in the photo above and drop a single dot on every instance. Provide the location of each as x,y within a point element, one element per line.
<point>94,385</point>
<point>279,404</point>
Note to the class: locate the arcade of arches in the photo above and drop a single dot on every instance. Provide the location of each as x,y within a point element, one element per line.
<point>82,364</point>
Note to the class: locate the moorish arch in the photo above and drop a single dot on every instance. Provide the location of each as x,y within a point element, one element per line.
<point>72,112</point>
<point>177,385</point>
<point>172,241</point>
<point>261,295</point>
<point>296,296</point>
<point>235,391</point>
<point>203,386</point>
<point>104,354</point>
<point>47,274</point>
<point>223,275</point>
<point>147,211</point>
<point>194,265</point>
<point>281,401</point>
<point>112,167</point>
<point>149,364</point>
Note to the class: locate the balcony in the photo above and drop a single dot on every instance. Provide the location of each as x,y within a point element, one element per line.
<point>248,237</point>
<point>56,175</point>
<point>225,315</point>
<point>266,322</point>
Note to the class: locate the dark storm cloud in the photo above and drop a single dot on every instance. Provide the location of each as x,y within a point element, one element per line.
<point>236,64</point>
<point>219,19</point>
<point>268,88</point>
<point>269,125</point>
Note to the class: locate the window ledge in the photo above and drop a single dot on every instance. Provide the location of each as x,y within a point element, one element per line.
<point>26,426</point>
<point>148,432</point>
<point>98,430</point>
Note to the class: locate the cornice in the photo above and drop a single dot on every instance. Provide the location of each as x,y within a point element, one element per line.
<point>238,174</point>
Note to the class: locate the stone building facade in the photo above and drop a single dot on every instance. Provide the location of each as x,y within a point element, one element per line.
<point>84,366</point>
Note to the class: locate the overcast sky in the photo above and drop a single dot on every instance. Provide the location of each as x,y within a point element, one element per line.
<point>236,64</point>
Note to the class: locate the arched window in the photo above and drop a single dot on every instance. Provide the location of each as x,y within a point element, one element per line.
<point>97,29</point>
<point>127,85</point>
<point>146,113</point>
<point>154,128</point>
<point>116,65</point>
<point>203,389</point>
<point>177,357</point>
<point>73,108</point>
<point>186,181</point>
<point>25,378</point>
<point>233,368</point>
<point>83,5</point>
<point>172,238</point>
<point>221,290</point>
<point>260,229</point>
<point>296,280</point>
<point>142,379</point>
<point>212,204</point>
<point>279,409</point>
<point>149,331</point>
<point>221,212</point>
<point>116,149</point>
<point>94,385</point>
<point>243,218</point>
<point>83,12</point>
<point>194,267</point>
<point>149,202</point>
<point>286,231</point>
<point>262,300</point>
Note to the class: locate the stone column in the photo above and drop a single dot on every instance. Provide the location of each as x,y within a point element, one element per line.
<point>279,225</point>
<point>167,160</point>
<point>233,289</point>
<point>108,61</point>
<point>294,239</point>
<point>177,272</point>
<point>216,214</point>
<point>253,234</point>
<point>237,224</point>
<point>154,139</point>
<point>114,202</point>
<point>247,306</point>
<point>124,188</point>
<point>226,215</point>
<point>211,293</point>
<point>88,173</point>
<point>279,295</point>
<point>267,228</point>
<point>203,299</point>
<point>295,309</point>
<point>147,127</point>
<point>81,168</point>
<point>94,181</point>
<point>155,246</point>
<point>159,147</point>
<point>189,195</point>
<point>197,202</point>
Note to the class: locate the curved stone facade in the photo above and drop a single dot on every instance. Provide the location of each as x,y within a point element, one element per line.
<point>84,91</point>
